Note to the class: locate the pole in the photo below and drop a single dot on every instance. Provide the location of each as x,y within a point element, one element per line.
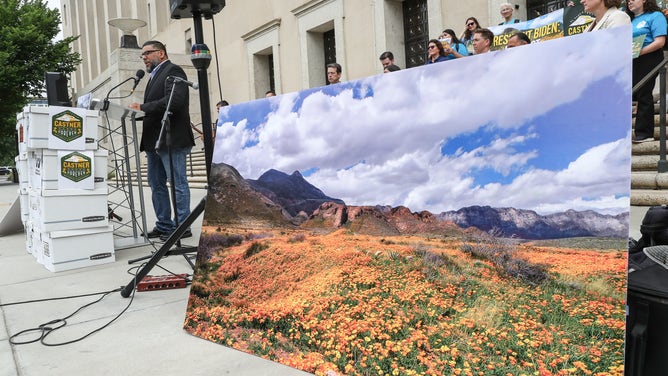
<point>204,101</point>
<point>126,291</point>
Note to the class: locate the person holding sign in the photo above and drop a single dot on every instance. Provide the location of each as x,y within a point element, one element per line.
<point>606,12</point>
<point>454,48</point>
<point>647,19</point>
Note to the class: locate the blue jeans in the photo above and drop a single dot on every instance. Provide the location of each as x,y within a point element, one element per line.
<point>158,176</point>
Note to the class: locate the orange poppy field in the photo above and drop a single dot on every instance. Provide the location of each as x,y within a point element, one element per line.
<point>342,303</point>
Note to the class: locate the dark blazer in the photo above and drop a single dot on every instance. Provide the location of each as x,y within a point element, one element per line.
<point>156,97</point>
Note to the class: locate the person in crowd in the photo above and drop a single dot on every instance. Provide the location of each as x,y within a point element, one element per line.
<point>518,39</point>
<point>482,41</point>
<point>386,58</point>
<point>270,93</point>
<point>220,104</point>
<point>156,96</point>
<point>606,13</point>
<point>506,10</point>
<point>646,19</point>
<point>333,73</point>
<point>471,25</point>
<point>391,68</point>
<point>435,52</point>
<point>454,48</point>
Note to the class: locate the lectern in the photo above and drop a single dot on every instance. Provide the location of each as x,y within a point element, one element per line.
<point>122,150</point>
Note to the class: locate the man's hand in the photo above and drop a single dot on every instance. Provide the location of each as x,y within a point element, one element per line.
<point>135,106</point>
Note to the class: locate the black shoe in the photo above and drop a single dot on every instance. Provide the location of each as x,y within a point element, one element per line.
<point>641,140</point>
<point>187,234</point>
<point>155,233</point>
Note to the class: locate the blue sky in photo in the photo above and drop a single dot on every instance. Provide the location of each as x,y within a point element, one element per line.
<point>544,127</point>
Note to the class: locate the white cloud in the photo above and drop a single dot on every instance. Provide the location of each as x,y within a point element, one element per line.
<point>385,149</point>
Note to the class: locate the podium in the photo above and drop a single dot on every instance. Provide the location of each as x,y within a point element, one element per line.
<point>123,148</point>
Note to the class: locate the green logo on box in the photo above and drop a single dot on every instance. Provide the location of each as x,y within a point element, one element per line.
<point>76,167</point>
<point>67,126</point>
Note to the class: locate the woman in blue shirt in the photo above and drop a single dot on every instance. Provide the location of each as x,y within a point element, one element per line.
<point>647,19</point>
<point>454,48</point>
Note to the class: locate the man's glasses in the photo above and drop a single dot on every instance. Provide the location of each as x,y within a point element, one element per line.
<point>146,53</point>
<point>432,46</point>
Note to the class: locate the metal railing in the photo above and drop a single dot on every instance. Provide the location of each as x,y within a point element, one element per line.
<point>662,165</point>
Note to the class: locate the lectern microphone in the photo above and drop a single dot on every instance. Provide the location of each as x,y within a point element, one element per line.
<point>193,85</point>
<point>140,73</point>
<point>138,76</point>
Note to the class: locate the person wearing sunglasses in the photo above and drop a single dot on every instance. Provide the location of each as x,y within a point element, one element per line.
<point>435,52</point>
<point>471,25</point>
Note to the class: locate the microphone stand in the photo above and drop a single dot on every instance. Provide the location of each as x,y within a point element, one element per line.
<point>165,139</point>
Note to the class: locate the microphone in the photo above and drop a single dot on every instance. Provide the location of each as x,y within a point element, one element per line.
<point>193,85</point>
<point>138,76</point>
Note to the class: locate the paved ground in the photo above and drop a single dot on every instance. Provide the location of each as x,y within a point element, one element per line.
<point>147,339</point>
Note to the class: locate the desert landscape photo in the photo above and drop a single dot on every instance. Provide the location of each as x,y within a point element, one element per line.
<point>427,221</point>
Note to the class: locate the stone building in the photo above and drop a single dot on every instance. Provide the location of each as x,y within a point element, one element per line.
<point>260,45</point>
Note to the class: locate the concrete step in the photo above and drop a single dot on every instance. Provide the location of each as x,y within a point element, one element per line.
<point>649,180</point>
<point>648,197</point>
<point>644,163</point>
<point>646,148</point>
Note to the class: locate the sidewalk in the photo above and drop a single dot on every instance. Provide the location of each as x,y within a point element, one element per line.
<point>148,339</point>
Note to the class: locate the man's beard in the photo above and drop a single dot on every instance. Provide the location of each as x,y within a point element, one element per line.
<point>151,67</point>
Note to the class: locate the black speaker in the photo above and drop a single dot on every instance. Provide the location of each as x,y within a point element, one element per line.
<point>185,8</point>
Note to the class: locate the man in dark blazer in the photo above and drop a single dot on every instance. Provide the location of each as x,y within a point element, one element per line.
<point>156,96</point>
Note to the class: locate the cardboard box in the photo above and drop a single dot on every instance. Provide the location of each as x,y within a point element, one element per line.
<point>28,233</point>
<point>21,162</point>
<point>59,128</point>
<point>68,209</point>
<point>47,172</point>
<point>24,203</point>
<point>20,131</point>
<point>66,250</point>
<point>37,245</point>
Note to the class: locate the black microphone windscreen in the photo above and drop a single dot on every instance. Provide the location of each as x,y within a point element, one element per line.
<point>140,73</point>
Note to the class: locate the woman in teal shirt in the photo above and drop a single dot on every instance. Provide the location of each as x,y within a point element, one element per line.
<point>454,48</point>
<point>647,19</point>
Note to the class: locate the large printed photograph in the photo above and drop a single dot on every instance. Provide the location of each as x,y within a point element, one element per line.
<point>462,218</point>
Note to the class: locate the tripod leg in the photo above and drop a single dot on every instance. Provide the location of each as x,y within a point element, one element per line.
<point>141,273</point>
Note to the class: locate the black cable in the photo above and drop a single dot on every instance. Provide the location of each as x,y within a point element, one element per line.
<point>215,50</point>
<point>60,298</point>
<point>45,329</point>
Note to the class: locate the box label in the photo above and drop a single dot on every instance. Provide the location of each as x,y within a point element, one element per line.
<point>76,167</point>
<point>67,126</point>
<point>76,170</point>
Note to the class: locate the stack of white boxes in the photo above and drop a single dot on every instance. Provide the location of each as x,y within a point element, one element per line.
<point>63,188</point>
